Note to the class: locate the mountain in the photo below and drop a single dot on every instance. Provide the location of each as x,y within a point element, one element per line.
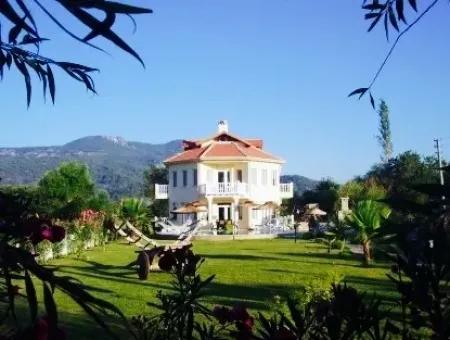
<point>301,183</point>
<point>117,165</point>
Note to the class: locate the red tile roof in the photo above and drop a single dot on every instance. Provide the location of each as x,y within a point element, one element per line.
<point>223,149</point>
<point>186,156</point>
<point>257,143</point>
<point>222,146</point>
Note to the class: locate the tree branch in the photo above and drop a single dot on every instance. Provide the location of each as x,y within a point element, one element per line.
<point>386,59</point>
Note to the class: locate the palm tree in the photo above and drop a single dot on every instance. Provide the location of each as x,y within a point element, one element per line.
<point>366,219</point>
<point>339,229</point>
<point>134,211</point>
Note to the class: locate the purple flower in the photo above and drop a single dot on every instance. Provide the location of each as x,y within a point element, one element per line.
<point>39,230</point>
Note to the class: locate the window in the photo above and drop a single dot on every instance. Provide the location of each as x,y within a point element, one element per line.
<point>254,214</point>
<point>174,179</point>
<point>254,173</point>
<point>274,177</point>
<point>194,178</point>
<point>220,177</point>
<point>185,179</point>
<point>264,176</point>
<point>239,176</point>
<point>240,212</point>
<point>223,176</point>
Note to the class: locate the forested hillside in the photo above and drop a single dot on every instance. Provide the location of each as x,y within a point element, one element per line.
<point>117,165</point>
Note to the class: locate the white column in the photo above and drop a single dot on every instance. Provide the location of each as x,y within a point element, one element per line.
<point>210,208</point>
<point>235,210</point>
<point>250,216</point>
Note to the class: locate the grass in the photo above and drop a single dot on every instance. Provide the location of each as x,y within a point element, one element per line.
<point>252,272</point>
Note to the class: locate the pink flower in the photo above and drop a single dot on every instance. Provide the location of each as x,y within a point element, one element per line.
<point>47,231</point>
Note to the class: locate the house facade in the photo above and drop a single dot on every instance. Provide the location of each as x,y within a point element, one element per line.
<point>234,177</point>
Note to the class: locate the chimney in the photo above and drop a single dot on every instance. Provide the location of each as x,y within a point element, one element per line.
<point>222,127</point>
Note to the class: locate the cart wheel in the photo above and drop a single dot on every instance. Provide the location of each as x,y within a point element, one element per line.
<point>144,265</point>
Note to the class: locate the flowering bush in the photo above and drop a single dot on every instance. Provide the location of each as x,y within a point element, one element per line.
<point>20,236</point>
<point>239,317</point>
<point>179,308</point>
<point>36,230</point>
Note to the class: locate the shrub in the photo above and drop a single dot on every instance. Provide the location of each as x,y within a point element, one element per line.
<point>307,236</point>
<point>44,250</point>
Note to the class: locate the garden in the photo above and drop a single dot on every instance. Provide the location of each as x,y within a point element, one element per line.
<point>259,274</point>
<point>75,263</point>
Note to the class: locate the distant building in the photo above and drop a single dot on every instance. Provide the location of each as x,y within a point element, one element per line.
<point>233,177</point>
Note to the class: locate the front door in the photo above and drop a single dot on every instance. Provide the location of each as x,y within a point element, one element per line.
<point>224,212</point>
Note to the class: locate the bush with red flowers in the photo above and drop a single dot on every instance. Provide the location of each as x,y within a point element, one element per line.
<point>180,260</point>
<point>22,234</point>
<point>181,307</point>
<point>239,316</point>
<point>38,229</point>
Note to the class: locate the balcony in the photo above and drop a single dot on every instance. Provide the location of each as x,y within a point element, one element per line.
<point>224,189</point>
<point>161,191</point>
<point>287,190</point>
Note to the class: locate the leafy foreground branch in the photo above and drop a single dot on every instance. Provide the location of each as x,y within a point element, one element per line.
<point>393,14</point>
<point>23,43</point>
<point>18,266</point>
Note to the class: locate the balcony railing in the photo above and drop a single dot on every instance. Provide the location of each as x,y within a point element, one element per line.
<point>224,189</point>
<point>161,191</point>
<point>287,190</point>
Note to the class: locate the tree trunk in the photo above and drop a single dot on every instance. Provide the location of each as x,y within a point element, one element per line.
<point>343,244</point>
<point>367,252</point>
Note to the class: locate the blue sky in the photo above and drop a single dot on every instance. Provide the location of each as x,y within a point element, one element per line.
<point>278,70</point>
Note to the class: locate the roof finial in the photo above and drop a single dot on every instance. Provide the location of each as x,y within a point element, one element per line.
<point>223,126</point>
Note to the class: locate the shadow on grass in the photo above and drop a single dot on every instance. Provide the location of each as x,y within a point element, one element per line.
<point>113,273</point>
<point>373,285</point>
<point>254,297</point>
<point>241,257</point>
<point>75,325</point>
<point>349,260</point>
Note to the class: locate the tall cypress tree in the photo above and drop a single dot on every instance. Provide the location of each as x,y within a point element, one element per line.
<point>385,137</point>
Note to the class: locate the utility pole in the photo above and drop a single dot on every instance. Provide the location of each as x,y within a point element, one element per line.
<point>441,172</point>
<point>438,153</point>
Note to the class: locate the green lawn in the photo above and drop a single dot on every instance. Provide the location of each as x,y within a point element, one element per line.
<point>252,272</point>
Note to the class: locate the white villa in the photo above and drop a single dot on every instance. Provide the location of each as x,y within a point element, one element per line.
<point>232,178</point>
